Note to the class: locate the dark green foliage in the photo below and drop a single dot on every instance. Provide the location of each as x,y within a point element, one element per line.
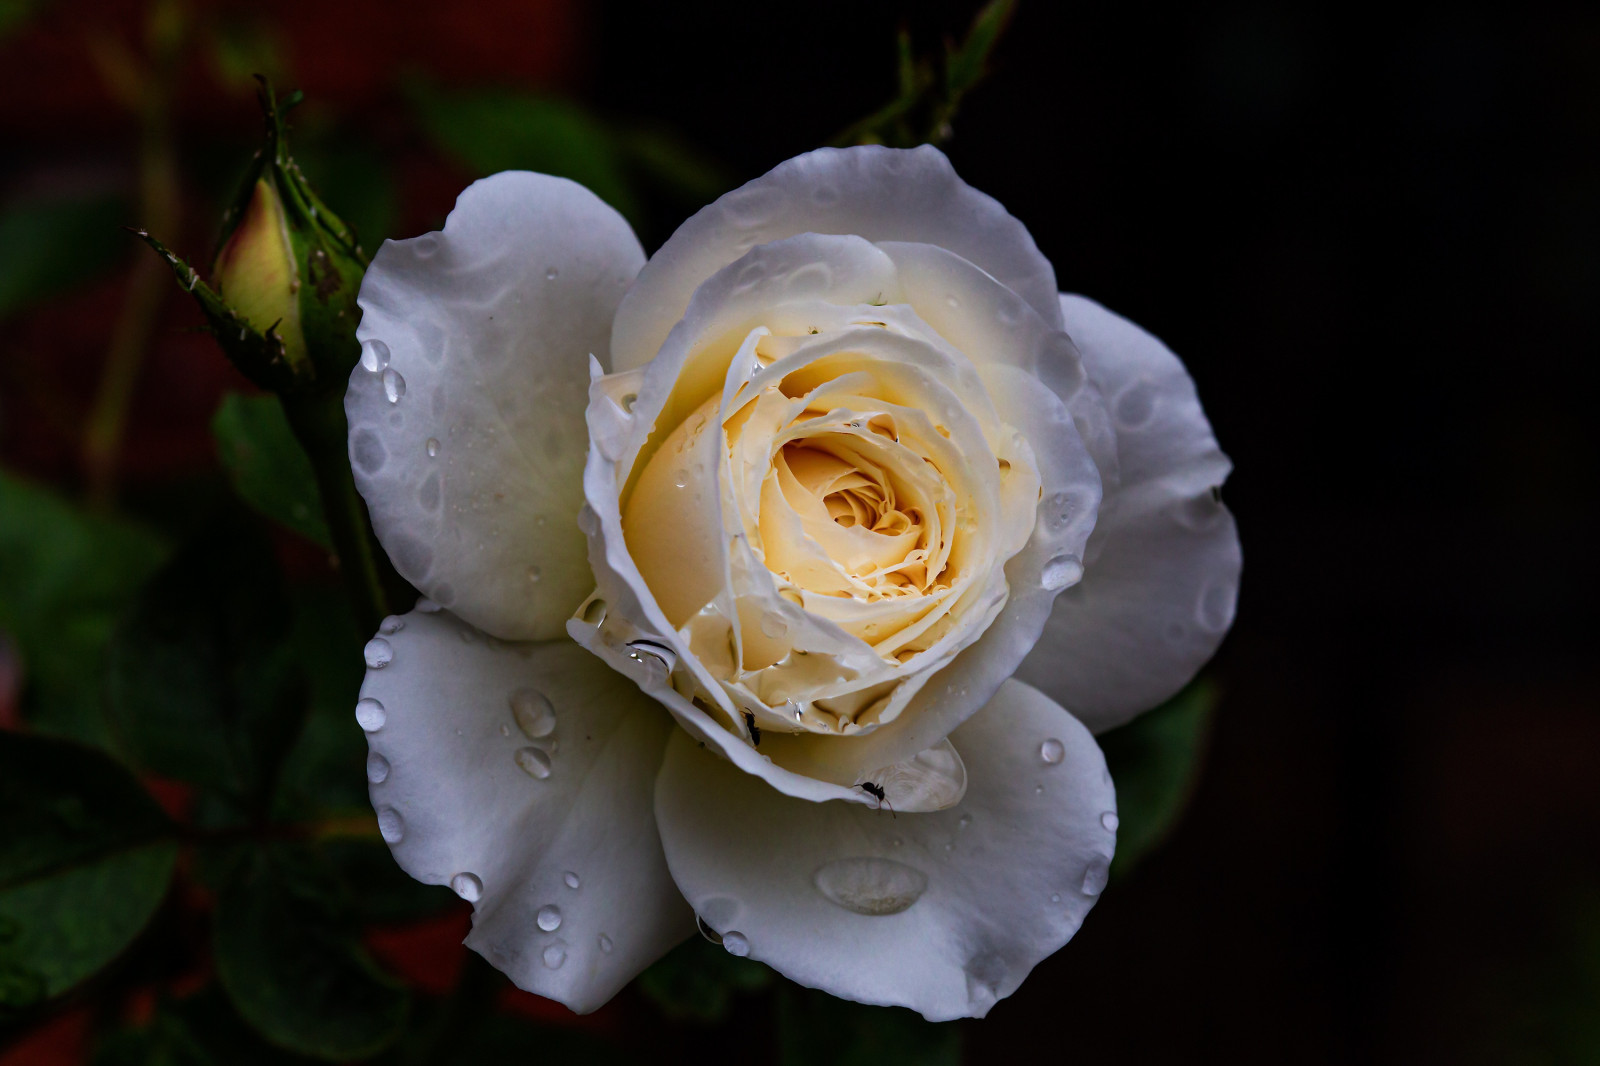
<point>1155,761</point>
<point>85,858</point>
<point>65,576</point>
<point>288,955</point>
<point>698,981</point>
<point>203,684</point>
<point>268,467</point>
<point>49,245</point>
<point>814,1029</point>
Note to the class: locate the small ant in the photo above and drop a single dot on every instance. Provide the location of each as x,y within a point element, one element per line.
<point>876,792</point>
<point>755,730</point>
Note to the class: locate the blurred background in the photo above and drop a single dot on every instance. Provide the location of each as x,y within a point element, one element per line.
<point>1373,235</point>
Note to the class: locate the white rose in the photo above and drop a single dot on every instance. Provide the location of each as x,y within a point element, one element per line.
<point>824,479</point>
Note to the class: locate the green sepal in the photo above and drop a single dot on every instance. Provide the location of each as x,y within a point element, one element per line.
<point>260,356</point>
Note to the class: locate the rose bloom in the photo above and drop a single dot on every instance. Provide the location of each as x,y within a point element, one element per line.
<point>781,580</point>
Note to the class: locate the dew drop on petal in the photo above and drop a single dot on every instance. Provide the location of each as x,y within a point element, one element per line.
<point>735,943</point>
<point>375,356</point>
<point>870,886</point>
<point>1060,572</point>
<point>554,954</point>
<point>433,447</point>
<point>391,826</point>
<point>377,768</point>
<point>534,574</point>
<point>1055,897</point>
<point>549,917</point>
<point>1052,751</point>
<point>394,386</point>
<point>570,879</point>
<point>605,944</point>
<point>467,886</point>
<point>391,625</point>
<point>378,653</point>
<point>533,762</point>
<point>1110,821</point>
<point>370,714</point>
<point>551,274</point>
<point>1094,878</point>
<point>533,712</point>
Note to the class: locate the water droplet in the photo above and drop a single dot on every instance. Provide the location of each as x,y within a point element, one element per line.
<point>534,574</point>
<point>375,356</point>
<point>1052,752</point>
<point>433,447</point>
<point>370,714</point>
<point>394,386</point>
<point>467,886</point>
<point>391,826</point>
<point>964,821</point>
<point>736,943</point>
<point>551,274</point>
<point>1094,878</point>
<point>871,886</point>
<point>774,625</point>
<point>1135,406</point>
<point>1060,572</point>
<point>1038,790</point>
<point>533,713</point>
<point>377,768</point>
<point>378,653</point>
<point>554,954</point>
<point>656,659</point>
<point>549,917</point>
<point>680,478</point>
<point>605,944</point>
<point>505,730</point>
<point>533,762</point>
<point>1110,821</point>
<point>391,625</point>
<point>1055,897</point>
<point>570,879</point>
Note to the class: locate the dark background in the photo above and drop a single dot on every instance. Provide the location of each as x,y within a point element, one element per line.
<point>1374,237</point>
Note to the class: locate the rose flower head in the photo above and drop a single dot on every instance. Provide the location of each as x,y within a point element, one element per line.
<point>781,580</point>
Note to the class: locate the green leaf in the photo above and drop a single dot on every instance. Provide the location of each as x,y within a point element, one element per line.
<point>966,65</point>
<point>85,859</point>
<point>815,1029</point>
<point>1155,761</point>
<point>493,130</point>
<point>49,245</point>
<point>698,981</point>
<point>65,577</point>
<point>203,684</point>
<point>288,955</point>
<point>266,464</point>
<point>380,890</point>
<point>201,1030</point>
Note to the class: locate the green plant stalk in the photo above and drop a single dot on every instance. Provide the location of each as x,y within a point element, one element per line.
<point>318,421</point>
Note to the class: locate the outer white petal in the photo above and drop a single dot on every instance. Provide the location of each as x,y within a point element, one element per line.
<point>882,194</point>
<point>944,913</point>
<point>459,716</point>
<point>469,445</point>
<point>1163,579</point>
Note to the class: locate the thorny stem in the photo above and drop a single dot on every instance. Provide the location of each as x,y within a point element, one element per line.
<point>318,422</point>
<point>147,286</point>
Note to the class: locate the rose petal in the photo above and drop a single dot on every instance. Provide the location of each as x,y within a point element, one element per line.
<point>943,913</point>
<point>467,433</point>
<point>1069,497</point>
<point>875,192</point>
<point>520,775</point>
<point>1158,598</point>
